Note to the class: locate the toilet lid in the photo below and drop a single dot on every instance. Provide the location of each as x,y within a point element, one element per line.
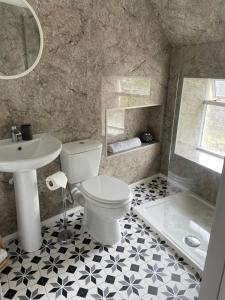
<point>106,189</point>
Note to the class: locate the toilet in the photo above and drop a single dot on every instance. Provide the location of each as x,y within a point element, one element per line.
<point>105,199</point>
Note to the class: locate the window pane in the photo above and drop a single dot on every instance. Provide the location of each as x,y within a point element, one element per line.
<point>220,88</point>
<point>213,137</point>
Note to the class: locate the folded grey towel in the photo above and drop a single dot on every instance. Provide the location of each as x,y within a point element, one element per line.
<point>124,145</point>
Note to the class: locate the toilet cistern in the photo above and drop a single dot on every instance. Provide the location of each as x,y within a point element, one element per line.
<point>105,199</point>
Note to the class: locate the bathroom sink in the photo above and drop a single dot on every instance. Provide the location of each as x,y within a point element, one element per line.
<point>22,159</point>
<point>28,155</point>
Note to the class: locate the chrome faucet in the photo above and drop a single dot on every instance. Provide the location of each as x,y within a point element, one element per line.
<point>16,134</point>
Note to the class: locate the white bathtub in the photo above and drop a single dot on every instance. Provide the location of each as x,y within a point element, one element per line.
<point>177,217</point>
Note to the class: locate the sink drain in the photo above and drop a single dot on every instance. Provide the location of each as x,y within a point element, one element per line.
<point>192,241</point>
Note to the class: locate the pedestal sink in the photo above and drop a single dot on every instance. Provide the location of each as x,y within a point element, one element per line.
<point>22,159</point>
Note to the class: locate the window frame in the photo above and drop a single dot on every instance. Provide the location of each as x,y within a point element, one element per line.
<point>214,88</point>
<point>205,103</point>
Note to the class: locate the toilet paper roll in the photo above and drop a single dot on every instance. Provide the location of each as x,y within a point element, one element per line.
<point>3,255</point>
<point>56,181</point>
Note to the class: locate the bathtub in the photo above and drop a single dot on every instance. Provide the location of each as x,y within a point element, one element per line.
<point>184,220</point>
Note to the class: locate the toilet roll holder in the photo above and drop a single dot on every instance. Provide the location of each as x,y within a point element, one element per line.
<point>59,180</point>
<point>65,235</point>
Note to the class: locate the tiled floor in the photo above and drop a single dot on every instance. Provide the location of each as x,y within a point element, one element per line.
<point>141,266</point>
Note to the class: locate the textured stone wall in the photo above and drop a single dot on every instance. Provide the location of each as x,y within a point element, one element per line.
<point>191,22</point>
<point>84,40</point>
<point>207,61</point>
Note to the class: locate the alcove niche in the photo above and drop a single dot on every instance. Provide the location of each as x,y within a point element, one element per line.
<point>129,108</point>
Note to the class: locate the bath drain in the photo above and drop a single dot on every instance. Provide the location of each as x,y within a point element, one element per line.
<point>192,241</point>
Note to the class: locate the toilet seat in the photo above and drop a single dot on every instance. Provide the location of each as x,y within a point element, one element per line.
<point>107,190</point>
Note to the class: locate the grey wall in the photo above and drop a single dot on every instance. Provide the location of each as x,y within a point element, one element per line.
<point>84,41</point>
<point>191,22</point>
<point>204,60</point>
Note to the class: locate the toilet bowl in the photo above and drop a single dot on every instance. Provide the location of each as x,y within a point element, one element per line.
<point>105,199</point>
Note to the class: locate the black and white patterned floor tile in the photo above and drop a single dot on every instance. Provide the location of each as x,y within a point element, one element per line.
<point>140,266</point>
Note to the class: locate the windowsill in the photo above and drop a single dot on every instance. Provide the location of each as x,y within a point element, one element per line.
<point>204,159</point>
<point>217,154</point>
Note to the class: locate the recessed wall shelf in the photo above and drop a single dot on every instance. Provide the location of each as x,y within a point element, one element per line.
<point>129,108</point>
<point>135,107</point>
<point>133,94</point>
<point>143,146</point>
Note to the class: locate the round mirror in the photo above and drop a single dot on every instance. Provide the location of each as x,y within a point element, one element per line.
<point>21,39</point>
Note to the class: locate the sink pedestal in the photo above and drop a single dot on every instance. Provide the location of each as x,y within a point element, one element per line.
<point>22,159</point>
<point>28,211</point>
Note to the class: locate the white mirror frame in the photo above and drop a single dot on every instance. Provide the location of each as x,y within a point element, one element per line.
<point>40,50</point>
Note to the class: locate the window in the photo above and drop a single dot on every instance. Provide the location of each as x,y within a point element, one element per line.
<point>219,88</point>
<point>200,133</point>
<point>212,135</point>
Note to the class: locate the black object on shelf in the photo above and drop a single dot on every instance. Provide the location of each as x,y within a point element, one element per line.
<point>26,131</point>
<point>146,137</point>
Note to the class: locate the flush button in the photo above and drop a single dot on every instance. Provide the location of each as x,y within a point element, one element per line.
<point>19,148</point>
